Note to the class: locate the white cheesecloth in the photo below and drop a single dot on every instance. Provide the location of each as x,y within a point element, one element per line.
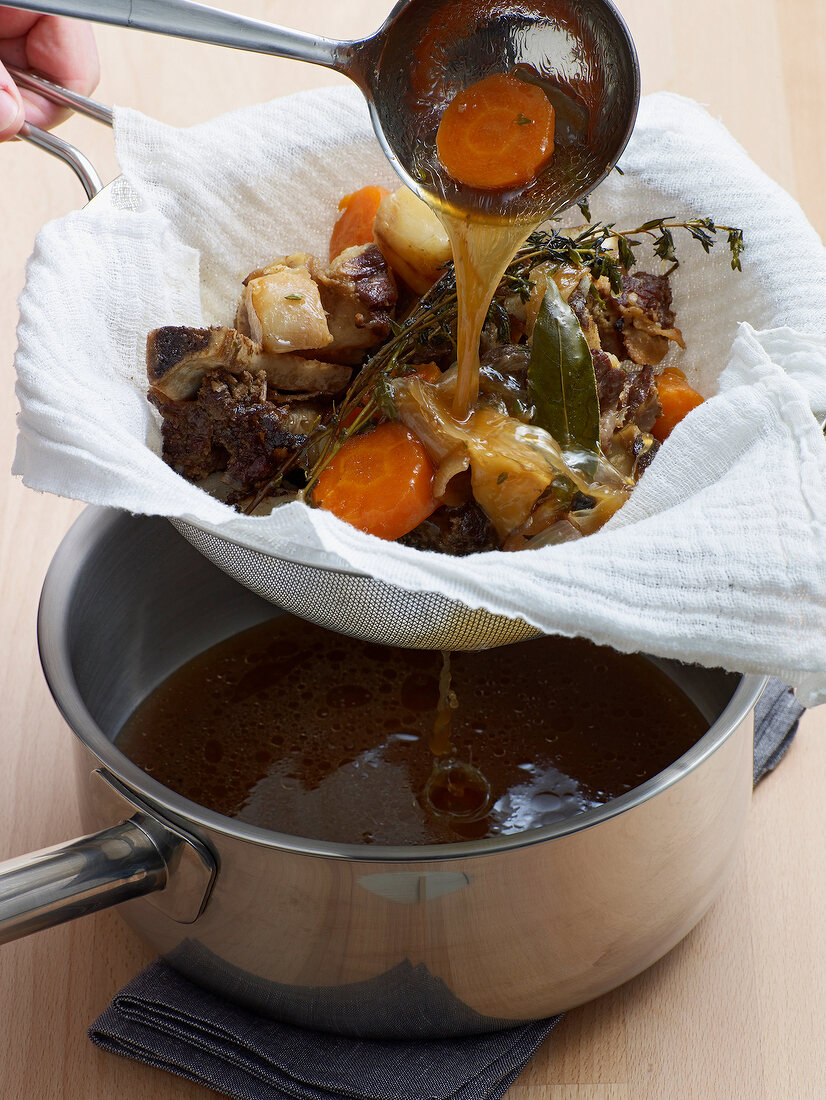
<point>720,555</point>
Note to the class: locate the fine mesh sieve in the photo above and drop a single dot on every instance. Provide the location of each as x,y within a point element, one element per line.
<point>357,604</point>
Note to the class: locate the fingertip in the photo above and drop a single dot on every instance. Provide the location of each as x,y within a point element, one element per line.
<point>12,114</point>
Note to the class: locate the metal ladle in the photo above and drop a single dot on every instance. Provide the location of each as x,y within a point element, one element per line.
<point>425,52</point>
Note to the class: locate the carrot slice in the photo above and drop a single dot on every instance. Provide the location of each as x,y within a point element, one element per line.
<point>428,372</point>
<point>497,133</point>
<point>355,222</point>
<point>380,482</point>
<point>677,399</point>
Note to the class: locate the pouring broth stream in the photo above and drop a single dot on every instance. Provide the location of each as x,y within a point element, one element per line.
<point>498,142</point>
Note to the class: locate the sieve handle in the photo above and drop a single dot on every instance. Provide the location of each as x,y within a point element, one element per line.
<point>182,19</point>
<point>77,161</point>
<point>50,143</point>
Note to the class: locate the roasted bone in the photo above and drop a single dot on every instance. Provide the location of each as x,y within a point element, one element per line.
<point>177,358</point>
<point>359,294</point>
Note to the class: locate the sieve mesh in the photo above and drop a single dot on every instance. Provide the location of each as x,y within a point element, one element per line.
<point>359,605</point>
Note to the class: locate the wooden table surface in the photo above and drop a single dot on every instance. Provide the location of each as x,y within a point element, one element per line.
<point>739,1008</point>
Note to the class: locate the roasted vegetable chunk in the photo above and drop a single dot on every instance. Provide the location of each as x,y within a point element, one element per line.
<point>412,238</point>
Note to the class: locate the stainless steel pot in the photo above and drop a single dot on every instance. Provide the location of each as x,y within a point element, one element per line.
<point>382,941</point>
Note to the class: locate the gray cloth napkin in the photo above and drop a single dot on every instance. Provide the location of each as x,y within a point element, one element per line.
<point>775,723</point>
<point>165,1020</point>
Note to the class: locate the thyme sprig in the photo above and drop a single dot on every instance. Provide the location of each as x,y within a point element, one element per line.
<point>703,230</point>
<point>430,329</point>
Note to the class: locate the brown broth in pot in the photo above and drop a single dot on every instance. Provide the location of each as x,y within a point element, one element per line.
<point>294,728</point>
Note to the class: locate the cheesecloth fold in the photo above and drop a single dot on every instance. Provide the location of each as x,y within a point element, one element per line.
<point>720,555</point>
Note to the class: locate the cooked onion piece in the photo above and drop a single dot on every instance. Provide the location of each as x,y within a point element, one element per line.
<point>412,239</point>
<point>511,463</point>
<point>283,310</point>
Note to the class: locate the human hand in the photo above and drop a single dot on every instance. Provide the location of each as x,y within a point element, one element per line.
<point>62,50</point>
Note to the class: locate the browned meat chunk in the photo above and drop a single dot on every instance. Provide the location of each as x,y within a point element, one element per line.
<point>229,426</point>
<point>632,451</point>
<point>625,396</point>
<point>610,379</point>
<point>637,325</point>
<point>358,294</point>
<point>644,449</point>
<point>462,530</point>
<point>609,322</point>
<point>578,302</point>
<point>510,359</point>
<point>648,320</point>
<point>651,294</point>
<point>638,403</point>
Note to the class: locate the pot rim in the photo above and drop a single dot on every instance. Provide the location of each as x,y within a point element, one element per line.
<point>55,597</point>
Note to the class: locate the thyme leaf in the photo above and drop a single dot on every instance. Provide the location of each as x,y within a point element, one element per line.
<point>625,250</point>
<point>664,246</point>
<point>736,245</point>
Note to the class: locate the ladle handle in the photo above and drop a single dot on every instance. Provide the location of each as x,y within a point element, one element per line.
<point>183,19</point>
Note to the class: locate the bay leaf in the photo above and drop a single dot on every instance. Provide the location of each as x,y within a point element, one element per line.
<point>561,380</point>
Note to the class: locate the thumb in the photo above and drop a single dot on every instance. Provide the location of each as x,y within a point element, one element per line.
<point>12,114</point>
<point>11,107</point>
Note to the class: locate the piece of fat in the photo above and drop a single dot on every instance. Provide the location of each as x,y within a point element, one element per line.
<point>283,310</point>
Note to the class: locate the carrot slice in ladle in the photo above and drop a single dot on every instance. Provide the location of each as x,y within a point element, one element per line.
<point>497,133</point>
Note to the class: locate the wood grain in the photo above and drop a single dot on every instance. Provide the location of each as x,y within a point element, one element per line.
<point>738,1010</point>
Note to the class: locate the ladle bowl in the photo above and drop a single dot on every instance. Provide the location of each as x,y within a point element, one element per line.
<point>424,53</point>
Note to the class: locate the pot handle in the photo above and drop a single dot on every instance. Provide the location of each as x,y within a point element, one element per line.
<point>138,856</point>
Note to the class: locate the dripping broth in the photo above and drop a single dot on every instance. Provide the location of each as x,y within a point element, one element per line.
<point>485,235</point>
<point>296,729</point>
